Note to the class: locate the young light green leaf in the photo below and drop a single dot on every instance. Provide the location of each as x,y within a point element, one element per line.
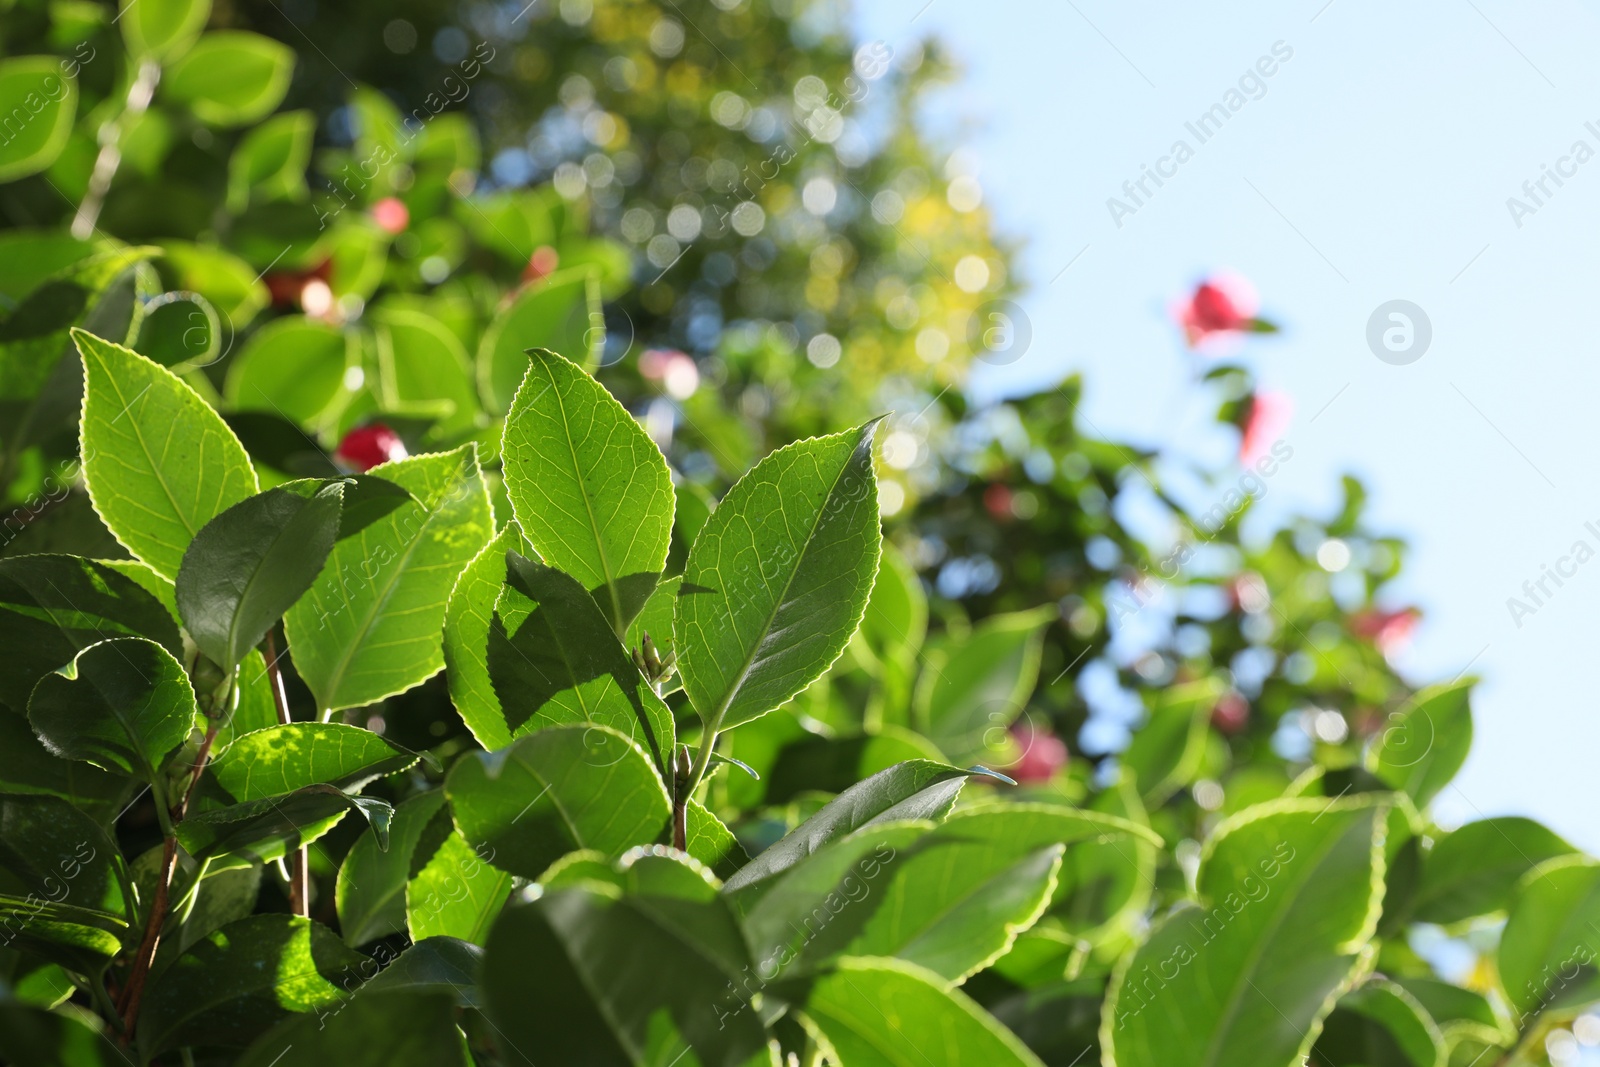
<point>372,624</point>
<point>123,705</point>
<point>82,940</point>
<point>969,696</point>
<point>230,78</point>
<point>889,1013</point>
<point>919,789</point>
<point>455,894</point>
<point>236,983</point>
<point>37,89</point>
<point>712,843</point>
<point>589,488</point>
<point>53,607</point>
<point>778,579</point>
<point>554,659</point>
<point>271,160</point>
<point>558,313</point>
<point>293,366</point>
<point>1288,899</point>
<point>468,617</point>
<point>1426,741</point>
<point>1473,870</point>
<point>371,891</point>
<point>627,974</point>
<point>421,361</point>
<point>293,755</point>
<point>248,566</point>
<point>560,789</point>
<point>158,461</point>
<point>162,29</point>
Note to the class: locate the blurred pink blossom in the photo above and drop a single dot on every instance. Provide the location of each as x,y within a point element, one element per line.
<point>1220,308</point>
<point>1265,420</point>
<point>1043,753</point>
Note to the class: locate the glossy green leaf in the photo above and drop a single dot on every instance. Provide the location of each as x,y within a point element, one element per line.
<point>390,1028</point>
<point>239,981</point>
<point>1425,742</point>
<point>590,490</point>
<point>1549,957</point>
<point>778,579</point>
<point>230,78</point>
<point>436,965</point>
<point>655,619</point>
<point>969,696</point>
<point>371,891</point>
<point>712,843</point>
<point>159,462</point>
<point>292,366</point>
<point>627,974</point>
<point>888,1013</point>
<point>39,101</point>
<point>1166,752</point>
<point>291,756</point>
<point>372,624</point>
<point>420,361</point>
<point>455,894</point>
<point>915,790</point>
<point>27,767</point>
<point>1473,870</point>
<point>553,659</point>
<point>162,29</point>
<point>1380,1025</point>
<point>123,705</point>
<point>59,855</point>
<point>53,607</point>
<point>271,827</point>
<point>180,328</point>
<point>558,313</point>
<point>468,617</point>
<point>564,788</point>
<point>1288,898</point>
<point>271,160</point>
<point>248,566</point>
<point>83,940</point>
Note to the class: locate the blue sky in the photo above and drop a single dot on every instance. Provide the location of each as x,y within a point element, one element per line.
<point>1376,163</point>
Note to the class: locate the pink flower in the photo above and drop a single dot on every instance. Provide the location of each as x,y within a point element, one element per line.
<point>391,214</point>
<point>1219,309</point>
<point>1232,713</point>
<point>1043,753</point>
<point>1390,631</point>
<point>1266,417</point>
<point>367,446</point>
<point>543,262</point>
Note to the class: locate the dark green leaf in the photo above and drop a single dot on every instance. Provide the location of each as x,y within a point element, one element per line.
<point>435,965</point>
<point>1473,870</point>
<point>969,696</point>
<point>269,828</point>
<point>371,893</point>
<point>1426,741</point>
<point>65,1037</point>
<point>390,1028</point>
<point>1380,1025</point>
<point>290,756</point>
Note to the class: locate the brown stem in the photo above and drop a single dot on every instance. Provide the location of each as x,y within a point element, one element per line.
<point>299,873</point>
<point>682,786</point>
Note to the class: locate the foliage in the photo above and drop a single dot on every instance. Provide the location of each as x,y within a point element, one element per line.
<point>399,672</point>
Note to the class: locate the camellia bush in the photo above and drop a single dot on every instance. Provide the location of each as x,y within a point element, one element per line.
<point>379,688</point>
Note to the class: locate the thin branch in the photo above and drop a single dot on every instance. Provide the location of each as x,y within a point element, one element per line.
<point>110,157</point>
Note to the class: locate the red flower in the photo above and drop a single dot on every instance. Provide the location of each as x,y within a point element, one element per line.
<point>1391,631</point>
<point>367,446</point>
<point>285,286</point>
<point>1043,753</point>
<point>1220,308</point>
<point>1266,417</point>
<point>1232,713</point>
<point>997,501</point>
<point>391,214</point>
<point>542,263</point>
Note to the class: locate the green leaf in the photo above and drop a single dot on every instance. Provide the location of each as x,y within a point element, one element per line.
<point>655,619</point>
<point>1549,957</point>
<point>435,965</point>
<point>159,462</point>
<point>589,489</point>
<point>1166,752</point>
<point>625,975</point>
<point>372,624</point>
<point>1288,897</point>
<point>58,854</point>
<point>180,328</point>
<point>39,101</point>
<point>231,284</point>
<point>123,705</point>
<point>66,1037</point>
<point>559,313</point>
<point>391,1028</point>
<point>564,788</point>
<point>1380,1025</point>
<point>269,828</point>
<point>455,894</point>
<point>248,566</point>
<point>53,607</point>
<point>712,843</point>
<point>230,78</point>
<point>889,1013</point>
<point>1426,741</point>
<point>553,659</point>
<point>293,366</point>
<point>371,891</point>
<point>1458,1012</point>
<point>467,620</point>
<point>1473,870</point>
<point>29,257</point>
<point>897,613</point>
<point>27,767</point>
<point>293,755</point>
<point>239,981</point>
<point>779,577</point>
<point>162,29</point>
<point>83,940</point>
<point>271,160</point>
<point>969,697</point>
<point>919,789</point>
<point>420,360</point>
